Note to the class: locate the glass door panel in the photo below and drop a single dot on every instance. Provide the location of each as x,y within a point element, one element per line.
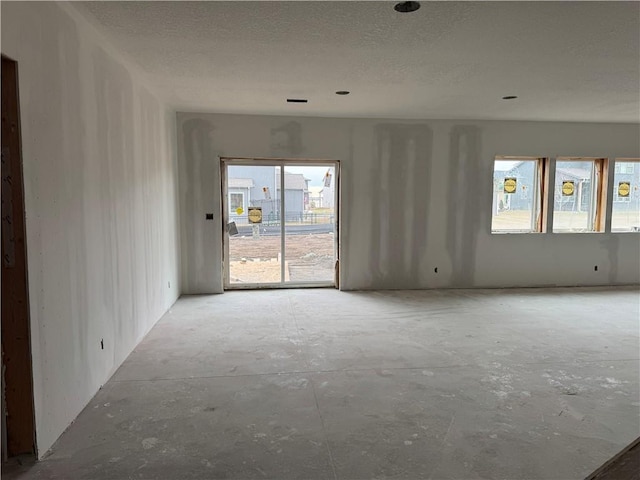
<point>310,223</point>
<point>254,252</point>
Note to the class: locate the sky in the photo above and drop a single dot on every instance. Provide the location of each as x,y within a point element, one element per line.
<point>505,165</point>
<point>315,174</point>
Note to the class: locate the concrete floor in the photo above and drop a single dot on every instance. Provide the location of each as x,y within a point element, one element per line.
<point>321,384</point>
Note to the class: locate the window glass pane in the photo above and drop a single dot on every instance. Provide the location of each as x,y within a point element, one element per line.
<point>515,194</point>
<point>625,214</point>
<point>575,195</point>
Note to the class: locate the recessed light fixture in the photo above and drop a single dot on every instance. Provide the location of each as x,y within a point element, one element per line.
<point>297,100</point>
<point>342,92</point>
<point>510,97</point>
<point>407,7</point>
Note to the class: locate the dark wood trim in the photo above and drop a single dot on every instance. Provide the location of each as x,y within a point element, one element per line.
<point>16,338</point>
<point>543,200</point>
<point>602,166</point>
<point>625,465</point>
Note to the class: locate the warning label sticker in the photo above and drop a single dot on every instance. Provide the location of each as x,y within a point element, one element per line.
<point>510,185</point>
<point>568,187</point>
<point>624,188</point>
<point>255,214</point>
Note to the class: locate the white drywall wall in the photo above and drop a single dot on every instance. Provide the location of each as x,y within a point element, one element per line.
<point>416,195</point>
<point>101,206</point>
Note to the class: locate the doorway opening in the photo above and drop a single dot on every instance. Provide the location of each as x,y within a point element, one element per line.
<point>18,431</point>
<point>281,223</point>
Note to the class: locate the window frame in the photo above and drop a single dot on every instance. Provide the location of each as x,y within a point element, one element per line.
<point>616,199</point>
<point>598,201</point>
<point>538,200</point>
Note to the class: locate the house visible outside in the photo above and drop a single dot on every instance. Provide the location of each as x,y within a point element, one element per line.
<point>315,197</point>
<point>240,190</point>
<point>328,196</point>
<point>296,195</point>
<point>259,186</point>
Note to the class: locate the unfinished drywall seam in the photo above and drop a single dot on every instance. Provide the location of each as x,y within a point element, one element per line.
<point>463,217</point>
<point>401,179</point>
<point>92,29</point>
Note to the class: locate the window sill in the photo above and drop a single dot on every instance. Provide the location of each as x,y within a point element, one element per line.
<point>575,231</point>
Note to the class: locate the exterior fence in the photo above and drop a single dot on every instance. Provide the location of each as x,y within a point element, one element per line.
<point>298,218</point>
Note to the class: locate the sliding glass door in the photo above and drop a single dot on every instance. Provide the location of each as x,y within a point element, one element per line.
<point>281,220</point>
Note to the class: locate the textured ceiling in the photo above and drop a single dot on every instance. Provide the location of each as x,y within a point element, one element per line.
<point>570,61</point>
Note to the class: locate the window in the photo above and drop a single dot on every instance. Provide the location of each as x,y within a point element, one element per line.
<point>625,212</point>
<point>236,201</point>
<point>517,205</point>
<point>577,202</point>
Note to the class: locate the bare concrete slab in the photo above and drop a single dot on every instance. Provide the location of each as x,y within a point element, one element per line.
<point>483,384</point>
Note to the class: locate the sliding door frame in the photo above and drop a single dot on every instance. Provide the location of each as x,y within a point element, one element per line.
<point>282,163</point>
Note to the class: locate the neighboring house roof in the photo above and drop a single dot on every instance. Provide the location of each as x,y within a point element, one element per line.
<point>292,181</point>
<point>571,173</point>
<point>240,183</point>
<point>315,190</point>
<point>574,173</point>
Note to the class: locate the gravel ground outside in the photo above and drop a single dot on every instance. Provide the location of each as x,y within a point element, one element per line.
<point>256,260</point>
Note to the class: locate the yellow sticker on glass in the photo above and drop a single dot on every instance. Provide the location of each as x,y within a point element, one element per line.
<point>624,188</point>
<point>255,215</point>
<point>568,187</point>
<point>510,185</point>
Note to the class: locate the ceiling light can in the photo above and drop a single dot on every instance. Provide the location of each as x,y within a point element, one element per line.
<point>343,92</point>
<point>407,7</point>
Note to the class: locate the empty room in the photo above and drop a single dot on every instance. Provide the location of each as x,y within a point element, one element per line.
<point>320,240</point>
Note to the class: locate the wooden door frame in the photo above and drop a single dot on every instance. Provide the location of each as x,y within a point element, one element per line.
<point>16,333</point>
